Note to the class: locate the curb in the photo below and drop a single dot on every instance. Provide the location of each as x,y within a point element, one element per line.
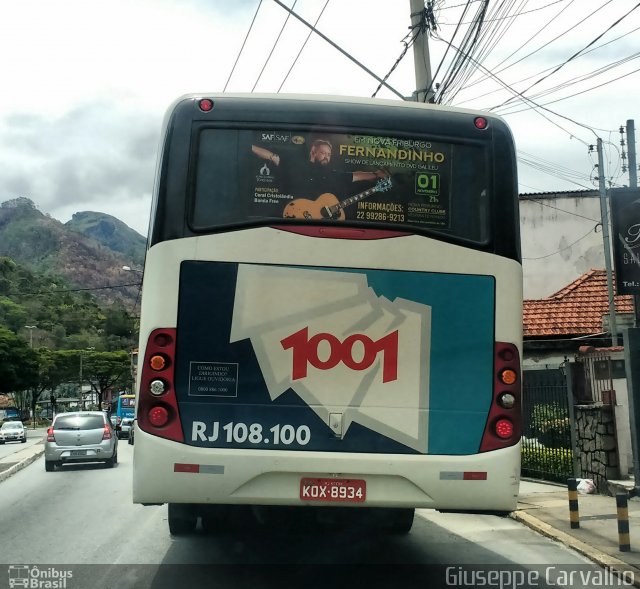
<point>600,558</point>
<point>20,465</point>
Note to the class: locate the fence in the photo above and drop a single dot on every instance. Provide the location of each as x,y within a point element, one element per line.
<point>547,418</point>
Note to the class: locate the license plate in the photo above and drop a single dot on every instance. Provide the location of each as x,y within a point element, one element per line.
<point>333,490</point>
<point>78,452</point>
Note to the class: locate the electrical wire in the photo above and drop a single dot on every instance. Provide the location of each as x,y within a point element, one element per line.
<point>618,21</point>
<point>416,30</point>
<point>61,290</point>
<point>484,78</point>
<point>243,44</point>
<point>286,20</point>
<point>537,106</point>
<point>566,247</point>
<point>429,89</point>
<point>336,46</point>
<point>490,20</point>
<point>544,204</point>
<point>315,24</point>
<point>495,67</point>
<point>525,108</point>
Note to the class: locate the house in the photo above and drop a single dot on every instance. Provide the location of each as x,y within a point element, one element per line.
<point>576,316</point>
<point>570,330</point>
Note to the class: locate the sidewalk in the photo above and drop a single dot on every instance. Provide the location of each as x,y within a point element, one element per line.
<point>18,460</point>
<point>544,507</point>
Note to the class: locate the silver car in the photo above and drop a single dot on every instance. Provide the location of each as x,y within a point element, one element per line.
<point>82,436</point>
<point>125,427</point>
<point>12,431</point>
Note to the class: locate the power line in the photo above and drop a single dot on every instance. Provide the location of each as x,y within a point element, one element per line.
<point>429,90</point>
<point>416,30</point>
<point>336,46</point>
<point>61,290</point>
<point>536,74</point>
<point>577,53</point>
<point>544,204</point>
<point>566,247</point>
<point>590,89</point>
<point>315,24</point>
<point>543,45</point>
<point>241,48</point>
<point>490,20</point>
<point>515,92</point>
<point>286,20</point>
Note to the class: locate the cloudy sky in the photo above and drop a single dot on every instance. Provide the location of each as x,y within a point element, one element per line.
<point>85,83</point>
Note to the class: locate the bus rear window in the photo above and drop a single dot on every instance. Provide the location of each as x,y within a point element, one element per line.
<point>244,176</point>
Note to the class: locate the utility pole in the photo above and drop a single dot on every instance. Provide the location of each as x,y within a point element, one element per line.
<point>632,337</point>
<point>633,183</point>
<point>604,213</point>
<point>31,328</point>
<point>421,61</point>
<point>631,150</point>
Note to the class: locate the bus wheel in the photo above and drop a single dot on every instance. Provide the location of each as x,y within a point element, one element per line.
<point>400,520</point>
<point>182,519</point>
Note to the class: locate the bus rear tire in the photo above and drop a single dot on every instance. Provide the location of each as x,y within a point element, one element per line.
<point>400,521</point>
<point>182,519</point>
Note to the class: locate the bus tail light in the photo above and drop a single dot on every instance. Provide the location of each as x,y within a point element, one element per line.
<point>158,416</point>
<point>504,424</point>
<point>157,403</point>
<point>504,429</point>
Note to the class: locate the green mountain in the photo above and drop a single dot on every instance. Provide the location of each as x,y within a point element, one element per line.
<point>81,251</point>
<point>112,234</point>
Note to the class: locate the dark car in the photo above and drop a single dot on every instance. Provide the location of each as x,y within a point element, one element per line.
<point>81,436</point>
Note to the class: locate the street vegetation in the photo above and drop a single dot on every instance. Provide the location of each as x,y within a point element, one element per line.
<point>54,337</point>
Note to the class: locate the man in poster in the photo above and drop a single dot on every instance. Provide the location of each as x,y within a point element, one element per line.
<point>312,179</point>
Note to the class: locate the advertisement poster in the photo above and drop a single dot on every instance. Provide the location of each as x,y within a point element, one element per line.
<point>625,222</point>
<point>334,359</point>
<point>347,176</point>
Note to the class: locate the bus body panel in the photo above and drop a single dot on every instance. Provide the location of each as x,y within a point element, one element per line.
<point>265,476</point>
<point>258,477</point>
<point>162,267</point>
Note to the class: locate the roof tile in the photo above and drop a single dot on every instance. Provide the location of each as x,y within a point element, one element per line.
<point>576,309</point>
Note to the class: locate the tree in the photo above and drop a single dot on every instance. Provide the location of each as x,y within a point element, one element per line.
<point>18,363</point>
<point>54,368</point>
<point>105,370</point>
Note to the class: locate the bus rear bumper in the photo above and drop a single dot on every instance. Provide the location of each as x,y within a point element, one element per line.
<point>167,472</point>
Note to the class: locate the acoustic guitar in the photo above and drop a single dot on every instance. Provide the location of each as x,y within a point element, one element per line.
<point>327,205</point>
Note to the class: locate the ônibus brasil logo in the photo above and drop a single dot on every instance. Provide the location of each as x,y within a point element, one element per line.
<point>305,352</point>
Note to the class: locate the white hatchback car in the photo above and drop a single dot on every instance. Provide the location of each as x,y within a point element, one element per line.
<point>13,431</point>
<point>82,436</point>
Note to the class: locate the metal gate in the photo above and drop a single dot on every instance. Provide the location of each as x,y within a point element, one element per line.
<point>547,426</point>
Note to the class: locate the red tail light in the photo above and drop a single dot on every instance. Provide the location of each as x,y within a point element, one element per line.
<point>504,429</point>
<point>106,435</point>
<point>157,403</point>
<point>504,424</point>
<point>159,416</point>
<point>50,436</point>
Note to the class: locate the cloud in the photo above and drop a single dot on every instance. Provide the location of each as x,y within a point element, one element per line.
<point>94,153</point>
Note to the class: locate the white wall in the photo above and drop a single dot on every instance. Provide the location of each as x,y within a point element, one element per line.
<point>559,240</point>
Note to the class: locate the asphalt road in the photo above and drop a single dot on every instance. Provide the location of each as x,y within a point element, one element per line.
<point>81,520</point>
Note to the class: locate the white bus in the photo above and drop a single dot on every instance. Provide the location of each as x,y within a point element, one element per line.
<point>331,312</point>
